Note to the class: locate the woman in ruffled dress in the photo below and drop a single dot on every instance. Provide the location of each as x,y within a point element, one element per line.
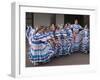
<point>39,50</point>
<point>85,40</point>
<point>76,37</point>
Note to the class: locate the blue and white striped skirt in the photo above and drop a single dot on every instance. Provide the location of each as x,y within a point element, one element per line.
<point>40,55</point>
<point>66,45</point>
<point>75,47</point>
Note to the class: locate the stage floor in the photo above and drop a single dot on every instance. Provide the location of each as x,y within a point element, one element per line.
<point>73,59</point>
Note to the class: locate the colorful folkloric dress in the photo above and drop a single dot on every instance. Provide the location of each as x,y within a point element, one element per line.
<point>76,43</point>
<point>76,27</point>
<point>64,43</point>
<point>58,44</point>
<point>39,50</point>
<point>29,33</point>
<point>50,37</point>
<point>85,41</point>
<point>69,39</point>
<point>76,38</point>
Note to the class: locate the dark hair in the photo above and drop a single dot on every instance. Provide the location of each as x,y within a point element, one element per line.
<point>41,27</point>
<point>67,24</point>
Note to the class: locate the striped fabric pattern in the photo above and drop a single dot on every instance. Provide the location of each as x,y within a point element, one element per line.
<point>41,50</point>
<point>85,41</point>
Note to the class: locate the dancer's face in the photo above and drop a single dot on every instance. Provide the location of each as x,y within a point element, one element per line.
<point>76,21</point>
<point>52,27</point>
